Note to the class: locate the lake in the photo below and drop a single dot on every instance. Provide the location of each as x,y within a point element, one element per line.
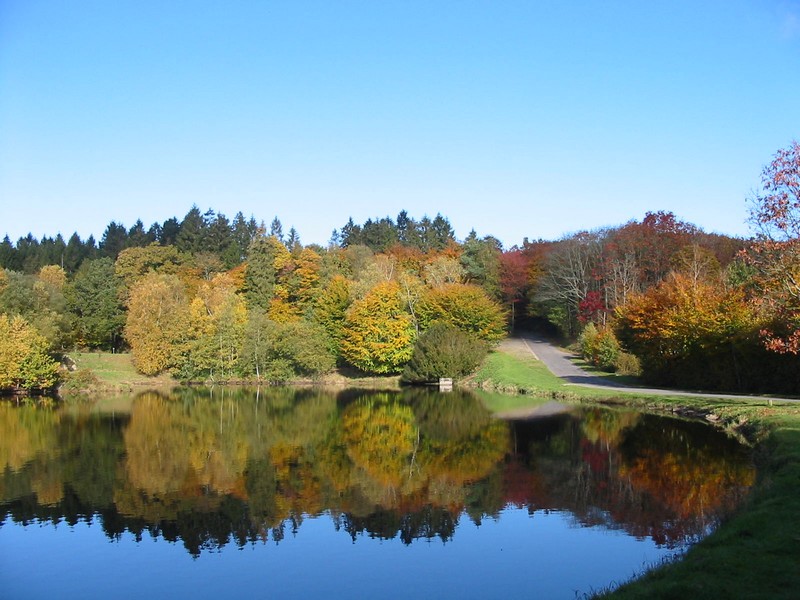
<point>302,493</point>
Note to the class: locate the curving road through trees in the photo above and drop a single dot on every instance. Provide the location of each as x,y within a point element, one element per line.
<point>560,364</point>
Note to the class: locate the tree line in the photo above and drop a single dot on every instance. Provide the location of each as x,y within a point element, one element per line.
<point>210,301</point>
<point>208,298</point>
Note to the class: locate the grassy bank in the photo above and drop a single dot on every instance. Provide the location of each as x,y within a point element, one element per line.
<point>755,554</point>
<point>96,372</point>
<point>107,372</point>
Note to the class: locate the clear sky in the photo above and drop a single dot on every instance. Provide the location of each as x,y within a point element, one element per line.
<point>519,119</point>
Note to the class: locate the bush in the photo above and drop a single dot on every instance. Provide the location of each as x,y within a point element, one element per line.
<point>628,364</point>
<point>600,347</point>
<point>444,351</point>
<point>606,350</point>
<point>80,381</point>
<point>587,340</point>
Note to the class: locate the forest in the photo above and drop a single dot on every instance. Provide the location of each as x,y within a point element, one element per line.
<point>207,298</point>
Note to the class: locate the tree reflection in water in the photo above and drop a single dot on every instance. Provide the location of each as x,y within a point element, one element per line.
<point>240,466</point>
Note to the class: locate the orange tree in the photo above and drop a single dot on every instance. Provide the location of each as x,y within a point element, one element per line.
<point>688,333</point>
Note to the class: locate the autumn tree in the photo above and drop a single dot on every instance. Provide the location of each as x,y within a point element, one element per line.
<point>41,303</point>
<point>217,318</point>
<point>378,334</point>
<point>134,263</point>
<point>467,307</point>
<point>157,322</point>
<point>692,334</point>
<point>775,254</point>
<point>571,274</point>
<point>442,270</point>
<point>514,280</point>
<point>24,359</point>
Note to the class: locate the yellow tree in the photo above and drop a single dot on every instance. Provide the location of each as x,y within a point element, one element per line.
<point>24,360</point>
<point>378,335</point>
<point>157,324</point>
<point>217,320</point>
<point>467,307</point>
<point>54,276</point>
<point>133,264</point>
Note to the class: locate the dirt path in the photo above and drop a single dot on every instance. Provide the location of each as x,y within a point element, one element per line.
<point>559,363</point>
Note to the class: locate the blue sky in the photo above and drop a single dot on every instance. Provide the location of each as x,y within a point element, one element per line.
<point>519,119</point>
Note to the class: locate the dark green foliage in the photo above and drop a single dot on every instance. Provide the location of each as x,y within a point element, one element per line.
<point>481,261</point>
<point>260,275</point>
<point>444,351</point>
<point>94,298</point>
<point>380,234</point>
<point>114,240</point>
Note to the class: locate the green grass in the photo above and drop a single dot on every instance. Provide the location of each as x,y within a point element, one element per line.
<point>507,371</point>
<point>504,371</point>
<point>115,371</point>
<point>756,553</point>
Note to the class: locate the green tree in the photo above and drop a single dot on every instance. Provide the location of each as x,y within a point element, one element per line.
<point>94,298</point>
<point>278,352</point>
<point>481,261</point>
<point>331,307</point>
<point>267,258</point>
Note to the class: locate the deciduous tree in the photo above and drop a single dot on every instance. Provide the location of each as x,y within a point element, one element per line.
<point>158,322</point>
<point>24,359</point>
<point>467,307</point>
<point>775,254</point>
<point>378,334</point>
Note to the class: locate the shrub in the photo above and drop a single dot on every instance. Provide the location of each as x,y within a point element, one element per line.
<point>587,340</point>
<point>444,351</point>
<point>600,347</point>
<point>628,364</point>
<point>80,381</point>
<point>606,350</point>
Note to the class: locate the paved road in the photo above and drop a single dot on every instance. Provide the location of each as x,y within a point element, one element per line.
<point>560,365</point>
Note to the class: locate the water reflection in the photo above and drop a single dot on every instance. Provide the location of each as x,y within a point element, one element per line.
<point>235,467</point>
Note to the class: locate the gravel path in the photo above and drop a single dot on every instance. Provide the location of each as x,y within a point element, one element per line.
<point>559,363</point>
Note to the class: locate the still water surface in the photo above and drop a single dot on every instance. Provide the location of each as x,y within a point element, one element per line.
<point>305,493</point>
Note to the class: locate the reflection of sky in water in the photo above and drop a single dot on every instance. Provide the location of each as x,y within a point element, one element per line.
<point>541,556</point>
